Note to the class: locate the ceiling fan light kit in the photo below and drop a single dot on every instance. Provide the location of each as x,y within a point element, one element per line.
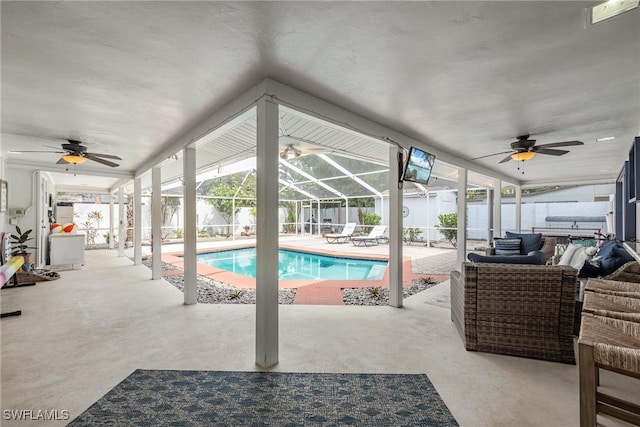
<point>524,155</point>
<point>74,158</point>
<point>290,152</point>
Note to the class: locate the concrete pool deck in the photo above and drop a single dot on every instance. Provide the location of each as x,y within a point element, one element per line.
<point>418,261</point>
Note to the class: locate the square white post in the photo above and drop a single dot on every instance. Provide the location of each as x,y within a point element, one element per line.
<point>267,234</point>
<point>428,218</point>
<point>137,221</point>
<point>395,227</point>
<point>156,223</point>
<point>111,215</point>
<point>461,239</point>
<point>490,195</point>
<point>497,209</point>
<point>190,226</point>
<point>122,220</point>
<point>319,219</point>
<point>518,209</point>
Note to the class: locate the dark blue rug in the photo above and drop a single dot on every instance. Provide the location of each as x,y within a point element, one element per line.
<point>210,398</point>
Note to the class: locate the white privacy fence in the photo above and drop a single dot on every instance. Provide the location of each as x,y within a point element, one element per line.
<point>420,219</point>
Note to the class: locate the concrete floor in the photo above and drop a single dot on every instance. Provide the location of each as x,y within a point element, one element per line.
<point>81,335</point>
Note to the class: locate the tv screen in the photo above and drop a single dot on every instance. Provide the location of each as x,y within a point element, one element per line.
<point>418,166</point>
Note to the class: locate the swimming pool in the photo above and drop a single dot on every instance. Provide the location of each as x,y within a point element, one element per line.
<point>294,265</point>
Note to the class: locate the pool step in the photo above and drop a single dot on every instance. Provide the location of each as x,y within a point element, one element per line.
<point>376,272</point>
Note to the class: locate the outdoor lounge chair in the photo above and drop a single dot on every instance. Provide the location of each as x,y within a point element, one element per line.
<point>375,236</point>
<point>344,236</point>
<point>516,309</point>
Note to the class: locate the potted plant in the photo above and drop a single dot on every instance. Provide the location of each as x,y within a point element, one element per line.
<point>19,244</point>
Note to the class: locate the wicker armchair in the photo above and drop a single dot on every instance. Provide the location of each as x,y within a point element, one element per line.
<point>520,310</point>
<point>629,272</point>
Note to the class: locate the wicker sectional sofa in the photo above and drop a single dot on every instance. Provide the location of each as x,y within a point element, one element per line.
<point>519,310</point>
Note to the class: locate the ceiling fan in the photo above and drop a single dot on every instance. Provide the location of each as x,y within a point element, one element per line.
<point>296,147</point>
<point>73,152</point>
<point>526,149</point>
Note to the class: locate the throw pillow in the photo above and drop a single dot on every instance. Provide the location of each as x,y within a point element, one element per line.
<point>529,241</point>
<point>579,258</point>
<point>589,270</point>
<point>507,246</point>
<point>616,259</point>
<point>568,253</point>
<point>607,248</point>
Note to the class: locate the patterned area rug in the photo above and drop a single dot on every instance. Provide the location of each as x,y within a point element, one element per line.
<point>197,398</point>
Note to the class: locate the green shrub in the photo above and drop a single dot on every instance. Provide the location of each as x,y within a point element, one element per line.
<point>375,292</point>
<point>427,280</point>
<point>371,219</point>
<point>234,295</point>
<point>411,234</point>
<point>449,227</point>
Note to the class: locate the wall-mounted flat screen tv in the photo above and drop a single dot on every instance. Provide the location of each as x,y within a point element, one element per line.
<point>418,166</point>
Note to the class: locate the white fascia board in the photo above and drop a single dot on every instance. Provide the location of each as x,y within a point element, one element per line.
<point>574,181</point>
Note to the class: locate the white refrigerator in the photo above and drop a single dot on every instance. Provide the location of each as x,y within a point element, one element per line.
<point>67,248</point>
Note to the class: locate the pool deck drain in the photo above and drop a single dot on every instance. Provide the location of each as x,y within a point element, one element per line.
<point>312,292</point>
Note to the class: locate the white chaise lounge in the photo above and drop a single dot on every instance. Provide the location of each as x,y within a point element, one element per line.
<point>343,236</point>
<point>375,236</point>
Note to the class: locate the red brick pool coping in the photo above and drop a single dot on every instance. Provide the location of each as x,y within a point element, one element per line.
<point>317,292</point>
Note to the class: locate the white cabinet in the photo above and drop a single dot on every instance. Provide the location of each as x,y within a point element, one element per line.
<point>66,248</point>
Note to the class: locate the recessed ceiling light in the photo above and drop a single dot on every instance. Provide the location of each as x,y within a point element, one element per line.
<point>611,8</point>
<point>606,138</point>
<point>14,152</point>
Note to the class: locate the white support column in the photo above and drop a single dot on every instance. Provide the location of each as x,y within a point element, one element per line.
<point>518,209</point>
<point>122,219</point>
<point>267,346</point>
<point>111,215</point>
<point>346,210</point>
<point>428,217</point>
<point>137,221</point>
<point>297,219</point>
<point>190,226</point>
<point>395,228</point>
<point>490,195</point>
<point>156,223</point>
<point>497,209</point>
<point>233,219</point>
<point>318,220</point>
<point>461,240</point>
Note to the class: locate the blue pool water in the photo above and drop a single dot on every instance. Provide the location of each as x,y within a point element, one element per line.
<point>294,265</point>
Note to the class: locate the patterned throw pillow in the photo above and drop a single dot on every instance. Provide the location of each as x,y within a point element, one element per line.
<point>528,241</point>
<point>507,246</point>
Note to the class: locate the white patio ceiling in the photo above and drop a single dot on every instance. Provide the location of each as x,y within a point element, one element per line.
<point>129,78</point>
